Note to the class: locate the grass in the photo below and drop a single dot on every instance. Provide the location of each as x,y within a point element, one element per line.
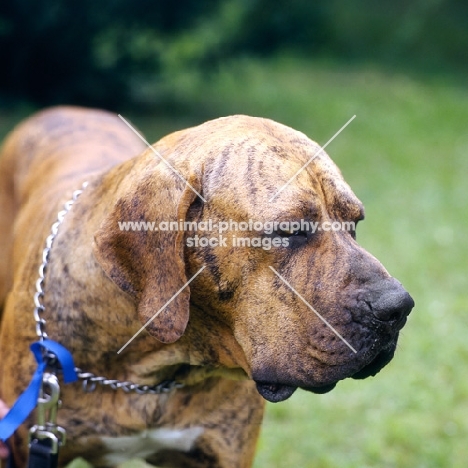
<point>406,157</point>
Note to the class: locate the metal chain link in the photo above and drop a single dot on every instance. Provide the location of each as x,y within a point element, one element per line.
<point>90,380</point>
<point>39,295</point>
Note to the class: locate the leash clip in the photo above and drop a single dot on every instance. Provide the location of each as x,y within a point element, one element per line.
<point>49,402</point>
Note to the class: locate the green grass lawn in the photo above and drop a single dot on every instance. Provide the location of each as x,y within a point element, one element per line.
<point>406,156</point>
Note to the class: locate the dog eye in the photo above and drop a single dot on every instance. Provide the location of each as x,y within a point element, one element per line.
<point>291,233</point>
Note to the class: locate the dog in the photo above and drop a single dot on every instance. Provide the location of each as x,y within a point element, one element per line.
<point>235,324</point>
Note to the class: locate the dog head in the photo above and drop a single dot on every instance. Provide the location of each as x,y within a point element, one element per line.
<point>307,305</point>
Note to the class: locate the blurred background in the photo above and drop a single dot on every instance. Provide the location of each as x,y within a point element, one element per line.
<point>401,66</point>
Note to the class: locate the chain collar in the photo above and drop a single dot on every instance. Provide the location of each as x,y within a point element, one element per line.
<point>39,295</point>
<point>89,380</point>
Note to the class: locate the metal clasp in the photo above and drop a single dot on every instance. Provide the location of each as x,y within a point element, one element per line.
<point>48,404</point>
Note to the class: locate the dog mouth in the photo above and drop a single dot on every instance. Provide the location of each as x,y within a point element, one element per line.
<point>276,392</point>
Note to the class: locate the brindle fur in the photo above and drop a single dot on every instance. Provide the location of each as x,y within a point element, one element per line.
<point>237,324</point>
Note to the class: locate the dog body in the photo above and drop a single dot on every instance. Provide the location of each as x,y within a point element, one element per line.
<point>238,334</point>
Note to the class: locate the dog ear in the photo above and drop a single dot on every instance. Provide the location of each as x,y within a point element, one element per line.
<point>149,264</point>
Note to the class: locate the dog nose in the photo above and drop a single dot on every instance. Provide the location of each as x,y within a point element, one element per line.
<point>391,302</point>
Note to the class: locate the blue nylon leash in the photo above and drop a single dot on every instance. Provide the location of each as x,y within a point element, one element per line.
<point>28,400</point>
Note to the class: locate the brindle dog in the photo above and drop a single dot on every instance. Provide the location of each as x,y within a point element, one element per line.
<point>244,329</point>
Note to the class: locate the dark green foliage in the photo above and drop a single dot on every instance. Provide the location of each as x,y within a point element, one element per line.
<point>100,52</point>
<point>54,50</point>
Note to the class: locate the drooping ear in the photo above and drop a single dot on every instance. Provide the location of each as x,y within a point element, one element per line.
<point>149,264</point>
